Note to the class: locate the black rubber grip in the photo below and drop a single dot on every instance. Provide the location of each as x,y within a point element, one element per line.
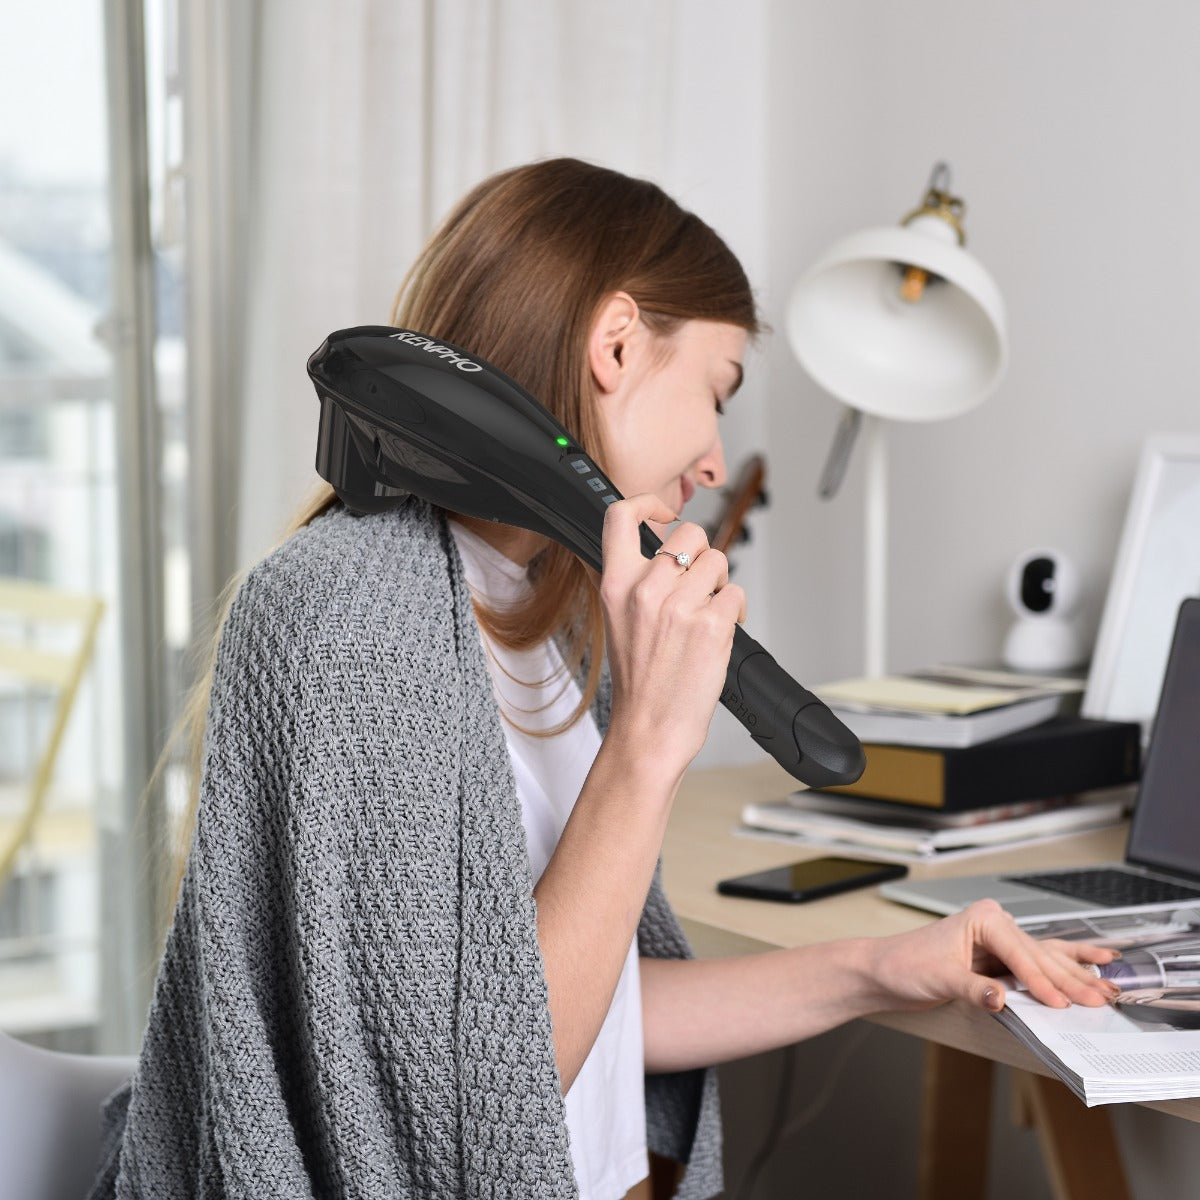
<point>787,720</point>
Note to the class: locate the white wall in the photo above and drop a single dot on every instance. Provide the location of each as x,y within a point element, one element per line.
<point>1070,128</point>
<point>713,165</point>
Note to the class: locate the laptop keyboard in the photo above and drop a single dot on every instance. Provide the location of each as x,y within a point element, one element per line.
<point>1108,888</point>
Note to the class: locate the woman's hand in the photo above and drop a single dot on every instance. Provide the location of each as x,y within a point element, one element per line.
<point>670,633</point>
<point>955,959</point>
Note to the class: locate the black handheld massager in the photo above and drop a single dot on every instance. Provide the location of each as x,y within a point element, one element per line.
<point>403,413</point>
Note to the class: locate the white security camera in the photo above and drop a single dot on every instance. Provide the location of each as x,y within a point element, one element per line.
<point>1043,591</point>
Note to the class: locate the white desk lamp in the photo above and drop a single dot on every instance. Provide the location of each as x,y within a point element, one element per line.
<point>899,323</point>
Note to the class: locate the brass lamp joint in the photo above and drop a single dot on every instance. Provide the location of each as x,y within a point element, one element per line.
<point>937,202</point>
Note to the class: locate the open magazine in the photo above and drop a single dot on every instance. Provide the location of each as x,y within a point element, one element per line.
<point>1146,1044</point>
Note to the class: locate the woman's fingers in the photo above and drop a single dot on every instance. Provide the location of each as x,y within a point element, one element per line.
<point>704,581</point>
<point>955,958</point>
<point>1073,969</point>
<point>670,621</point>
<point>684,561</point>
<point>1054,972</point>
<point>687,557</point>
<point>621,543</point>
<point>1085,952</point>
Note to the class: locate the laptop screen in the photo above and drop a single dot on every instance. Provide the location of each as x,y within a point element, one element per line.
<point>1166,822</point>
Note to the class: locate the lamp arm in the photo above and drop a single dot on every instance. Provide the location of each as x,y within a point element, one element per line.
<point>844,437</point>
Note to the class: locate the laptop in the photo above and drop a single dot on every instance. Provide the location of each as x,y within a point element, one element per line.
<point>1162,857</point>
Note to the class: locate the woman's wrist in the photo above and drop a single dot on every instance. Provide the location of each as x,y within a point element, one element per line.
<point>645,769</point>
<point>639,752</point>
<point>854,967</point>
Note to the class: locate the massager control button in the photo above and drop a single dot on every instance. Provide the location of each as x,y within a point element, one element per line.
<point>580,466</point>
<point>597,485</point>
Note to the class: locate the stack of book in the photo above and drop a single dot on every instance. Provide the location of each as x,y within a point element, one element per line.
<point>954,739</point>
<point>892,833</point>
<point>959,757</point>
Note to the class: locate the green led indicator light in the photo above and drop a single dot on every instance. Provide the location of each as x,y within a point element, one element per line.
<point>563,441</point>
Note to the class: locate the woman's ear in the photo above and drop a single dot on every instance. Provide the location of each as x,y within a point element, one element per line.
<point>614,326</point>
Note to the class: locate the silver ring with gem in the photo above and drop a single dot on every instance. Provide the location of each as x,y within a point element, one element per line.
<point>684,559</point>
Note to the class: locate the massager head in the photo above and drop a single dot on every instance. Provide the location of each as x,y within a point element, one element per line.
<point>402,413</point>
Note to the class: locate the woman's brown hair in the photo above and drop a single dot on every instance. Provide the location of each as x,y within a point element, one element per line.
<point>516,274</point>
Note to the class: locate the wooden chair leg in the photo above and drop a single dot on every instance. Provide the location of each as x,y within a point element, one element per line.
<point>1081,1151</point>
<point>956,1119</point>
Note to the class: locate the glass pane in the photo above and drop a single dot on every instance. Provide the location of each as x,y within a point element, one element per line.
<point>58,494</point>
<point>56,498</point>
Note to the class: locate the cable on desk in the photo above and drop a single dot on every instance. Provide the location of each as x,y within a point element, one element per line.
<point>778,1133</point>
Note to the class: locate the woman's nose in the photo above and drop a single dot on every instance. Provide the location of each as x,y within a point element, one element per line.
<point>710,470</point>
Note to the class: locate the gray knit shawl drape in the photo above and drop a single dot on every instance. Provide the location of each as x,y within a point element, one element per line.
<point>352,1002</point>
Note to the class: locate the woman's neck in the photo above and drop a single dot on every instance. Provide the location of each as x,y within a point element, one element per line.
<point>517,545</point>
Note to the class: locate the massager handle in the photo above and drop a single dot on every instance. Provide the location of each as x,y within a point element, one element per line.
<point>791,724</point>
<point>787,720</point>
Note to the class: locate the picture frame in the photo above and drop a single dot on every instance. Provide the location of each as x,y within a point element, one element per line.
<point>1156,568</point>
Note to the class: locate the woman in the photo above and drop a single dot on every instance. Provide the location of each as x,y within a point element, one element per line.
<point>420,938</point>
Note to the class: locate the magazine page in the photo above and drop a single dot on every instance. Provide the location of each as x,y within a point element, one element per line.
<point>1146,1044</point>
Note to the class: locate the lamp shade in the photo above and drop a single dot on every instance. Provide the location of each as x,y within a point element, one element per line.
<point>854,334</point>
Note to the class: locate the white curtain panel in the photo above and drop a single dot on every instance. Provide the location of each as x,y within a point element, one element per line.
<point>370,118</point>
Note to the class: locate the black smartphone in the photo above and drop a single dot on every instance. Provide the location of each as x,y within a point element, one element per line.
<point>811,879</point>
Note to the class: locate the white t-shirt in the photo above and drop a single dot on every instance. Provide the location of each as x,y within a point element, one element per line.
<point>605,1107</point>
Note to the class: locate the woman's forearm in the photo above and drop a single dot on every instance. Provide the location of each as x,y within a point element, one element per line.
<point>697,1013</point>
<point>591,895</point>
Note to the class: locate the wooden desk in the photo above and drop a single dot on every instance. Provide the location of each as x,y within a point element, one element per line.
<point>701,848</point>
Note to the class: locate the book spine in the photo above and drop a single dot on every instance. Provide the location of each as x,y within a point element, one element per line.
<point>901,774</point>
<point>1087,756</point>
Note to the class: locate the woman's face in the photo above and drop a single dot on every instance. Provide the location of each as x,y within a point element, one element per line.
<point>660,427</point>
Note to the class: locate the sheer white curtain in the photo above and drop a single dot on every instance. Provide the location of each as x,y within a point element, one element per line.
<point>364,121</point>
<point>339,135</point>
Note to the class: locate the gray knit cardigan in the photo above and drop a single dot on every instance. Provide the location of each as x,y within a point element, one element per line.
<point>352,1002</point>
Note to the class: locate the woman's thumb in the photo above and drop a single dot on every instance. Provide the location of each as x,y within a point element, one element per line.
<point>988,993</point>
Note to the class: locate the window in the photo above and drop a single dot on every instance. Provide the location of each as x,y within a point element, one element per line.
<point>61,507</point>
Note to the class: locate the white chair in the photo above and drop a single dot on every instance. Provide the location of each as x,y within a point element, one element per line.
<point>50,1119</point>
